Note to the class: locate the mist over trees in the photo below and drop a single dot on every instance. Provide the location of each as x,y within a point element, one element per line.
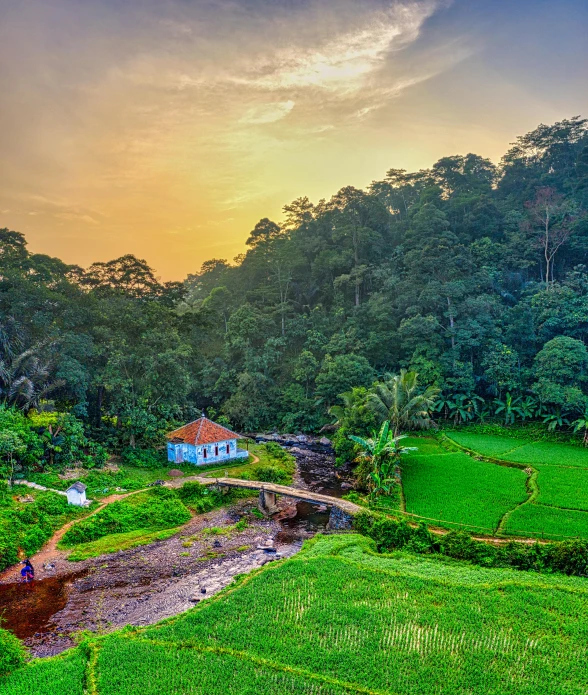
<point>471,274</point>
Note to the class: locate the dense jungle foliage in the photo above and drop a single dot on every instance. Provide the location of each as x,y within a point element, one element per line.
<point>471,274</point>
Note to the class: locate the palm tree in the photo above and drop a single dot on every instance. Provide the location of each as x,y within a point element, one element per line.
<point>351,400</point>
<point>400,401</point>
<point>24,373</point>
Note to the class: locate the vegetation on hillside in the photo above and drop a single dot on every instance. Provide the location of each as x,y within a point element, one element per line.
<point>471,274</point>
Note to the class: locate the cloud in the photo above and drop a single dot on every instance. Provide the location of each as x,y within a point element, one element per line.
<point>268,113</point>
<point>340,63</point>
<point>143,116</point>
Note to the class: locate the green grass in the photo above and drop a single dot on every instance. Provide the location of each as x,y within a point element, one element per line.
<point>157,669</point>
<point>101,483</point>
<point>155,510</point>
<point>427,446</point>
<point>339,618</point>
<point>561,507</point>
<point>563,487</point>
<point>542,521</point>
<point>453,488</point>
<point>519,451</point>
<point>552,454</point>
<point>118,541</point>
<point>266,460</point>
<point>490,445</point>
<point>62,675</point>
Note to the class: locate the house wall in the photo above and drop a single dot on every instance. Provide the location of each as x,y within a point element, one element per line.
<point>188,453</point>
<point>76,498</point>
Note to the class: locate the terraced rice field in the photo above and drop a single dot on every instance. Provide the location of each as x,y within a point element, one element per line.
<point>339,619</point>
<point>559,507</point>
<point>453,489</point>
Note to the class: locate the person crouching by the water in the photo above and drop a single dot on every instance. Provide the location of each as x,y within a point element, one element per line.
<point>27,572</point>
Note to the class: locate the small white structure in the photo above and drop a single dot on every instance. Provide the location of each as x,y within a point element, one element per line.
<point>76,494</point>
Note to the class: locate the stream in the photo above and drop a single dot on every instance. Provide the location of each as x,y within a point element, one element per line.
<point>143,585</point>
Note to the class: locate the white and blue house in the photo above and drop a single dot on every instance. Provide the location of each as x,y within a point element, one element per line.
<point>202,442</point>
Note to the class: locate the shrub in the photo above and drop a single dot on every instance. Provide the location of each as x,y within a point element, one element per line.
<point>568,557</point>
<point>12,652</point>
<point>155,510</point>
<point>143,458</point>
<point>52,504</point>
<point>268,474</point>
<point>34,539</point>
<point>199,497</point>
<point>276,451</point>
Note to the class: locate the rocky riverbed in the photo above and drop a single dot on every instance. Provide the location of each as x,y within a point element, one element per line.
<point>146,584</point>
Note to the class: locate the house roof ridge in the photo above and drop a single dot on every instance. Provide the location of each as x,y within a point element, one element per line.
<point>202,431</point>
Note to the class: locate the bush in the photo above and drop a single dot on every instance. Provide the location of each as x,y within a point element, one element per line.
<point>34,539</point>
<point>158,509</point>
<point>52,504</point>
<point>12,652</point>
<point>568,557</point>
<point>268,474</point>
<point>276,451</point>
<point>143,458</point>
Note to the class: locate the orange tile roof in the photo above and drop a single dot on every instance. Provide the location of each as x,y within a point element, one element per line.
<point>202,431</point>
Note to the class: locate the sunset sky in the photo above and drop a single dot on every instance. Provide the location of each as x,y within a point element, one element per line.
<point>168,128</point>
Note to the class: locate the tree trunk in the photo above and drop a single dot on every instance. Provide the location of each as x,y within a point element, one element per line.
<point>99,402</point>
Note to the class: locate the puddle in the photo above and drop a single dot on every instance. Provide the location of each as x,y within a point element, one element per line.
<point>306,523</point>
<point>27,609</point>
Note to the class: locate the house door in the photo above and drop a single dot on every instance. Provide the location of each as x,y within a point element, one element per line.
<point>178,454</point>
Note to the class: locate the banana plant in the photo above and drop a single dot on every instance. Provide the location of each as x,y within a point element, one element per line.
<point>381,482</point>
<point>581,425</point>
<point>382,450</point>
<point>462,408</point>
<point>509,408</point>
<point>528,407</point>
<point>555,419</point>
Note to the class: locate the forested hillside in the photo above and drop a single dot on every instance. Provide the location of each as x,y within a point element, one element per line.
<point>465,272</point>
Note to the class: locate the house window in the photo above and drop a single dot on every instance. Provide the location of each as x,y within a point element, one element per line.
<point>228,449</point>
<point>204,452</point>
<point>216,449</point>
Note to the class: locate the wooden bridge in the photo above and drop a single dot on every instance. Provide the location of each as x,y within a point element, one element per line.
<point>342,511</point>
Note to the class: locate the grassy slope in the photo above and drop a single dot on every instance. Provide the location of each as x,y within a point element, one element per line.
<point>561,508</point>
<point>118,541</point>
<point>338,618</point>
<point>455,488</point>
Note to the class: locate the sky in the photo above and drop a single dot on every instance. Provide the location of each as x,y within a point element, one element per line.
<point>168,128</point>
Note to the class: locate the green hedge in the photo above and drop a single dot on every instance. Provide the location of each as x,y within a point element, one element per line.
<point>567,557</point>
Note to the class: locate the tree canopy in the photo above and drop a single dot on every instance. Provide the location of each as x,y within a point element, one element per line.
<point>471,274</point>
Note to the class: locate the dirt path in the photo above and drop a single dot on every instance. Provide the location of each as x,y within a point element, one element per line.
<point>49,553</point>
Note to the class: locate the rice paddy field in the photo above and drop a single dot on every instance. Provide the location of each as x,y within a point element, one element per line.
<point>338,618</point>
<point>454,489</point>
<point>558,505</point>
